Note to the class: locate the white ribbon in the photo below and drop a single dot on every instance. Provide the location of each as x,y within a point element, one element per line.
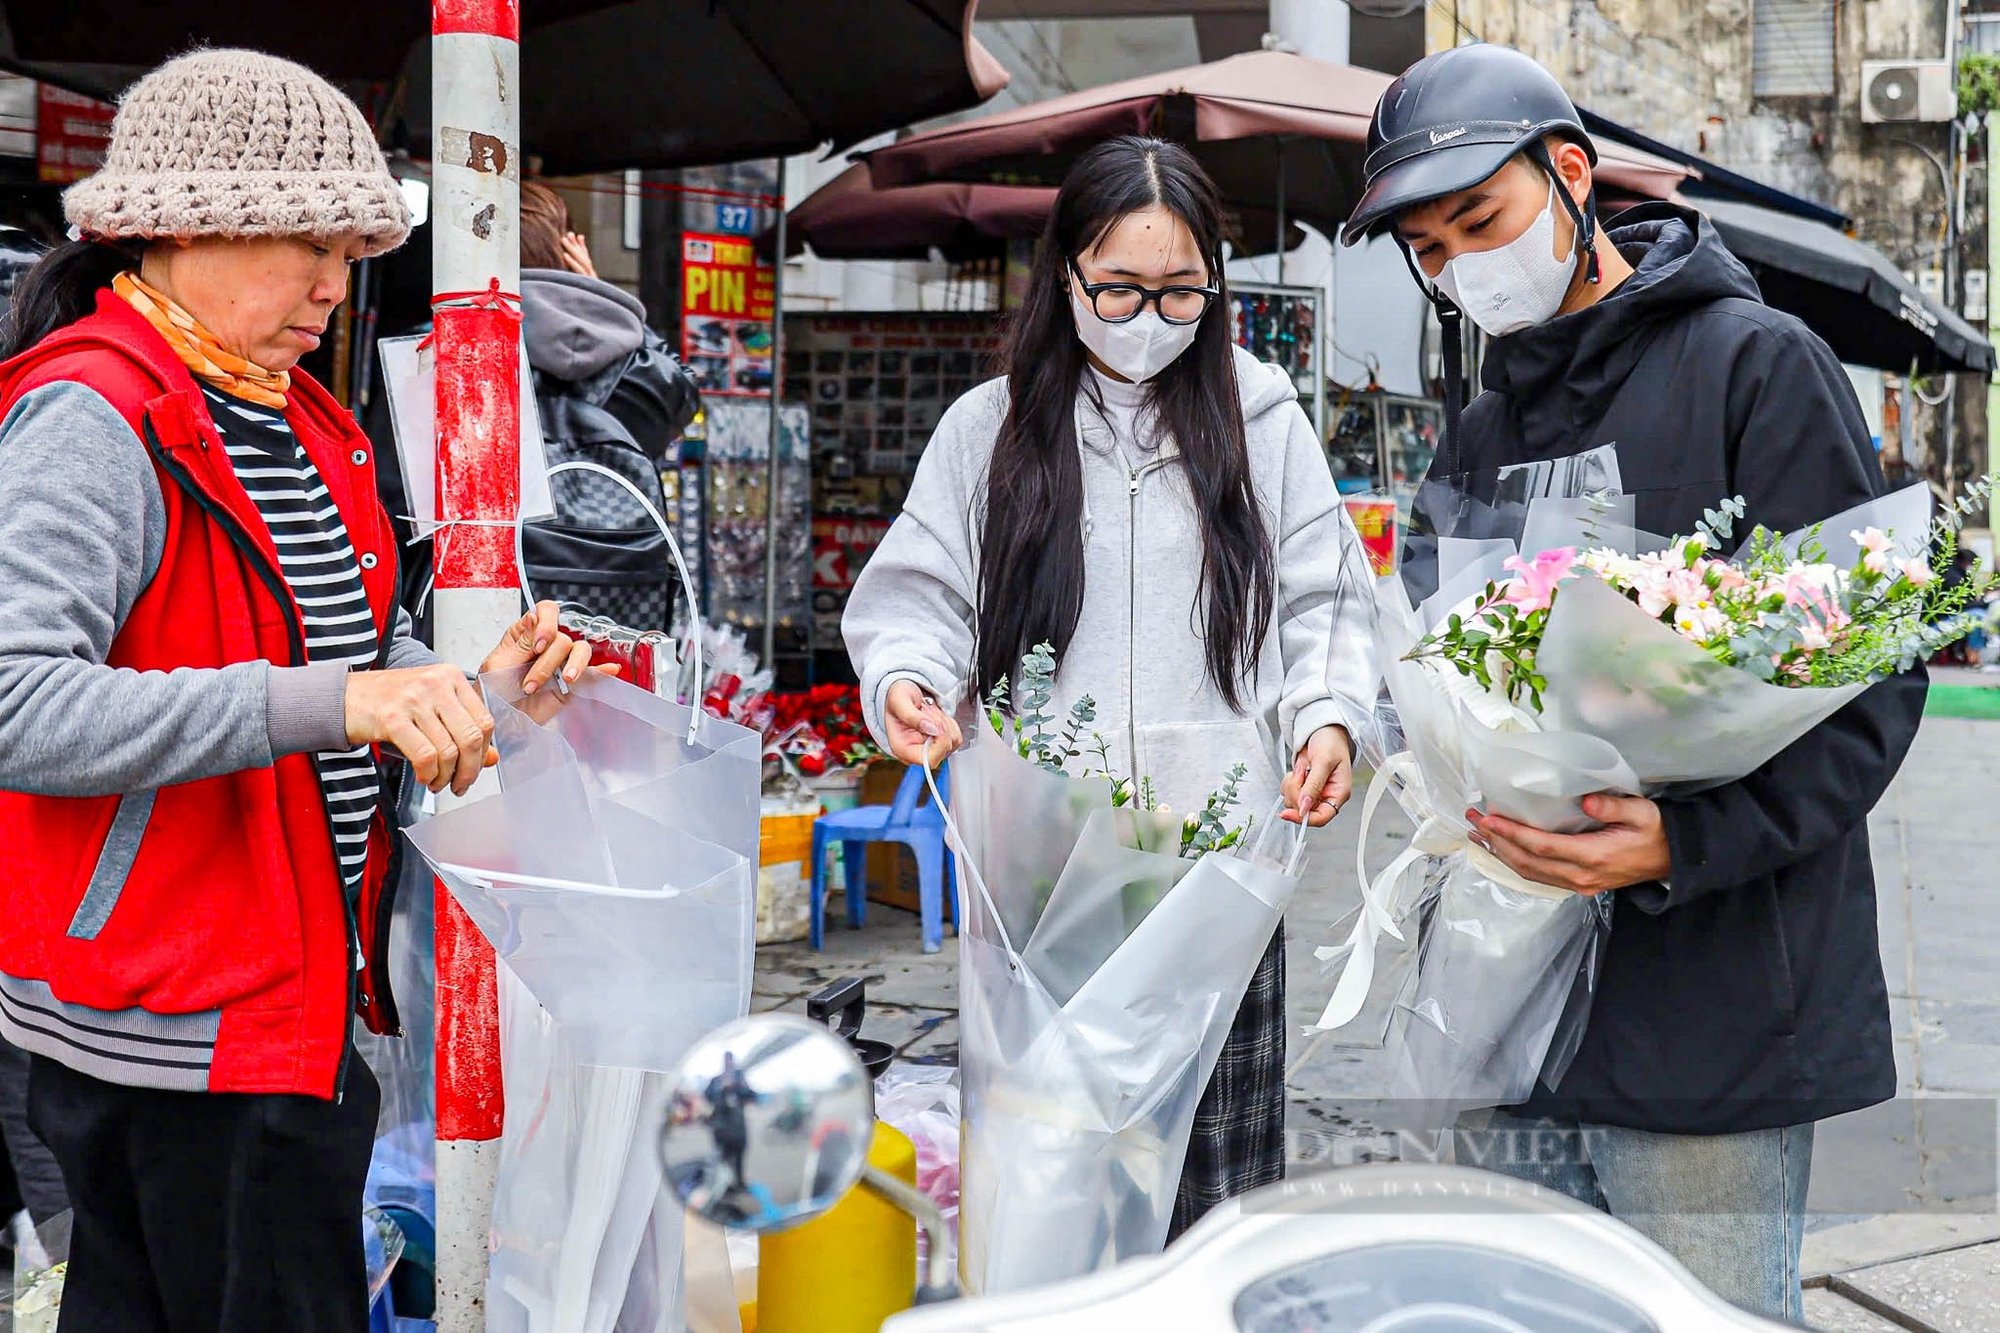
<point>1436,836</point>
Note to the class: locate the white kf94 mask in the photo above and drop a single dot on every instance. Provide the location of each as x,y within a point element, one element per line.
<point>1139,348</point>
<point>1516,285</point>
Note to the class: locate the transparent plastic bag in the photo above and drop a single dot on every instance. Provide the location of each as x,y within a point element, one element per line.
<point>1491,993</point>
<point>41,1262</point>
<point>580,1183</point>
<point>613,875</point>
<point>922,1101</point>
<point>1097,984</point>
<point>382,1241</point>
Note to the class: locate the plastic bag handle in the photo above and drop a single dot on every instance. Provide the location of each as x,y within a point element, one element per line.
<point>1298,856</point>
<point>965,861</point>
<point>673,547</point>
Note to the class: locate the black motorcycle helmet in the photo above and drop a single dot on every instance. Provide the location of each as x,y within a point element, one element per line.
<point>1450,121</point>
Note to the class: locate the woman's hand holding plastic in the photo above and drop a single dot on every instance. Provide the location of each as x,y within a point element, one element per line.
<point>1322,778</point>
<point>432,714</point>
<point>537,641</point>
<point>920,733</point>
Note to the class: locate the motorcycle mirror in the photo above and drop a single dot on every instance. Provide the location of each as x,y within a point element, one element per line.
<point>769,1121</point>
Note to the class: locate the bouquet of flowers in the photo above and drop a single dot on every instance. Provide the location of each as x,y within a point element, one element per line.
<point>1785,616</point>
<point>1565,653</point>
<point>1105,944</point>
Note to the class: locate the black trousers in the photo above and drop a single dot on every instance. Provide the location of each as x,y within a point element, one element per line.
<point>36,1176</point>
<point>210,1212</point>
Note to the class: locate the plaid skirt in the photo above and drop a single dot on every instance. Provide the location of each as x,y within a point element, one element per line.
<point>1238,1142</point>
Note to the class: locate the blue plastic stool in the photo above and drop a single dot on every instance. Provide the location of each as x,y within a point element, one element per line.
<point>920,827</point>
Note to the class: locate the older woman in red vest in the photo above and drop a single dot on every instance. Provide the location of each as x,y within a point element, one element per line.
<point>201,667</point>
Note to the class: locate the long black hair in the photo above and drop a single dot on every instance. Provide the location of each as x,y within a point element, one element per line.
<point>62,288</point>
<point>1031,554</point>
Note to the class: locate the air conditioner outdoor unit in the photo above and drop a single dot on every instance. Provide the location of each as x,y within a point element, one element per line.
<point>1907,90</point>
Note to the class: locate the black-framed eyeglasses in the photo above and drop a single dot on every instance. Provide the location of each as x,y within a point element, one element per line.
<point>1117,302</point>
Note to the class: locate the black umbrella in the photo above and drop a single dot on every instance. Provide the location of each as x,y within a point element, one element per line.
<point>605,84</point>
<point>1847,292</point>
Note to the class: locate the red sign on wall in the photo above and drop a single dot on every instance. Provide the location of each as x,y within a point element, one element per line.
<point>726,306</point>
<point>71,134</point>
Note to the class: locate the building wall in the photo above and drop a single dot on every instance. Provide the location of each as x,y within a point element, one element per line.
<point>1682,72</point>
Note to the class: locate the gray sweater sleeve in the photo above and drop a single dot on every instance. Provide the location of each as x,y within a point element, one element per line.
<point>82,529</point>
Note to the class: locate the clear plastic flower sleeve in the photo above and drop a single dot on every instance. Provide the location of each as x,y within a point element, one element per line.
<point>1098,981</point>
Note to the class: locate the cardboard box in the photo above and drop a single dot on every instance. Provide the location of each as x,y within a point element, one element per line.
<point>892,869</point>
<point>784,878</point>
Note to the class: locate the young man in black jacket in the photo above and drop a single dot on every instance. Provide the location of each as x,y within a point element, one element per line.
<point>1741,998</point>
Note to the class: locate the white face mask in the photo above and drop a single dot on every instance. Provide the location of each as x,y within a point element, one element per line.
<point>1139,348</point>
<point>1517,285</point>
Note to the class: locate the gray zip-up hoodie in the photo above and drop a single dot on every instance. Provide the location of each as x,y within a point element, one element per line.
<point>1138,650</point>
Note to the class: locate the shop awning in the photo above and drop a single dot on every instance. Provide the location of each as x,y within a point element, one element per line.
<point>1278,132</point>
<point>1847,292</point>
<point>849,218</point>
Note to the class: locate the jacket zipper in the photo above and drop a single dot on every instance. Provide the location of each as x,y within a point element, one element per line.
<point>274,584</point>
<point>1132,628</point>
<point>1133,475</point>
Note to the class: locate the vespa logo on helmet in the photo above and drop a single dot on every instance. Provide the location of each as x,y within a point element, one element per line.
<point>1446,136</point>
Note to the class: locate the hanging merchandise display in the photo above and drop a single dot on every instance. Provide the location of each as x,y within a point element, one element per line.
<point>879,384</point>
<point>1383,442</point>
<point>1281,325</point>
<point>736,454</point>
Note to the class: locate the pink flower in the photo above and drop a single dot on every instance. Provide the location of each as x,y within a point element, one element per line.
<point>1918,572</point>
<point>1876,548</point>
<point>1809,586</point>
<point>1687,588</point>
<point>1724,577</point>
<point>1533,587</point>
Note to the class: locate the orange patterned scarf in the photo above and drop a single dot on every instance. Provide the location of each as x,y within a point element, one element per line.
<point>198,349</point>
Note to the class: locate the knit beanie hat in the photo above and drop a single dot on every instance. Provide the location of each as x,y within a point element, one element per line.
<point>239,143</point>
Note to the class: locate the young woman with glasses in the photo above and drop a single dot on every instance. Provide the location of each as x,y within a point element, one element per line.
<point>1151,500</point>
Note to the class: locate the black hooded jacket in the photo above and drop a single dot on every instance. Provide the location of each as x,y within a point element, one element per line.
<point>1747,992</point>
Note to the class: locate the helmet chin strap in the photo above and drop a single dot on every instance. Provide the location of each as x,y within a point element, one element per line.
<point>1585,218</point>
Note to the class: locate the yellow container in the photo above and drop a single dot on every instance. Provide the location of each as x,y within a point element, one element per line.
<point>849,1270</point>
<point>783,838</point>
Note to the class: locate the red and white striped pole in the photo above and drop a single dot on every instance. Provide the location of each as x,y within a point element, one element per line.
<point>475,248</point>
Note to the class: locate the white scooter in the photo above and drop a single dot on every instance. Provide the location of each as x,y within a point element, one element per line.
<point>1366,1249</point>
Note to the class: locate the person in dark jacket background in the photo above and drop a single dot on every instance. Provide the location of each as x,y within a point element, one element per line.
<point>609,393</point>
<point>1741,998</point>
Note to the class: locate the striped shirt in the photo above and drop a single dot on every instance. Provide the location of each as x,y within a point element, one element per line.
<point>319,564</point>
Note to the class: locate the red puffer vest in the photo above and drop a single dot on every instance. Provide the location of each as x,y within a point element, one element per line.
<point>226,961</point>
